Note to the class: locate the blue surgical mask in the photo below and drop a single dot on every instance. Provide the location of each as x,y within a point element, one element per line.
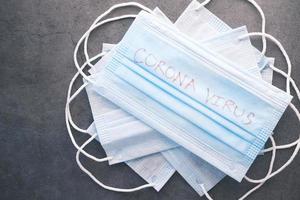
<point>198,22</point>
<point>196,98</point>
<point>113,122</point>
<point>154,169</point>
<point>118,126</point>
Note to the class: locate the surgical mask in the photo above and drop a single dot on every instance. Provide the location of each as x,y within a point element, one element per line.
<point>136,145</point>
<point>193,169</point>
<point>154,168</point>
<point>198,126</point>
<point>128,138</point>
<point>198,22</point>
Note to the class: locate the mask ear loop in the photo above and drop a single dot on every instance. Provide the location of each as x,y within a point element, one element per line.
<point>270,173</point>
<point>86,35</point>
<point>99,182</point>
<point>67,113</point>
<point>258,186</point>
<point>292,144</point>
<point>291,105</point>
<point>202,4</point>
<point>88,61</point>
<point>93,26</point>
<point>263,18</point>
<point>205,192</point>
<point>263,24</point>
<point>71,98</point>
<point>80,149</point>
<point>264,41</point>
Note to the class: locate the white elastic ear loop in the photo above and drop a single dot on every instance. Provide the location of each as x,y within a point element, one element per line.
<point>202,4</point>
<point>80,72</point>
<point>103,22</point>
<point>291,105</point>
<point>263,18</point>
<point>93,27</point>
<point>286,146</point>
<point>88,61</point>
<point>290,160</point>
<point>271,165</point>
<point>205,192</point>
<point>67,115</point>
<point>69,99</point>
<point>96,180</point>
<point>292,144</point>
<point>263,25</point>
<point>289,65</point>
<point>258,186</point>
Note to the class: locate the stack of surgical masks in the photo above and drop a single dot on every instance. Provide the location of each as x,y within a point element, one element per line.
<point>193,97</point>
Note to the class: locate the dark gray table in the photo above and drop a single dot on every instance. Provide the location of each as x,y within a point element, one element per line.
<point>37,158</point>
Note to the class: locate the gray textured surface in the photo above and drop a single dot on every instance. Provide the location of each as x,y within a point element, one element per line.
<point>37,159</point>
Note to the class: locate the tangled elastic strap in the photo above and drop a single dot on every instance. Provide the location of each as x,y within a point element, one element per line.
<point>80,149</point>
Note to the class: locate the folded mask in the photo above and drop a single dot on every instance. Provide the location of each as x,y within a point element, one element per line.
<point>198,22</point>
<point>191,95</point>
<point>154,168</point>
